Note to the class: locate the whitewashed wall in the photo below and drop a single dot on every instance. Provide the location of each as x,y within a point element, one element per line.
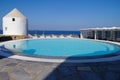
<point>17,27</point>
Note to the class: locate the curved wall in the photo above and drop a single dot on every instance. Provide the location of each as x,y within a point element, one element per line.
<point>18,26</point>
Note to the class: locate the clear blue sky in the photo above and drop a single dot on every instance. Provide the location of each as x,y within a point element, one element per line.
<point>65,14</point>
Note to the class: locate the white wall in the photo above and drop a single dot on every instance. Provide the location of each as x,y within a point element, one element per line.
<point>17,27</point>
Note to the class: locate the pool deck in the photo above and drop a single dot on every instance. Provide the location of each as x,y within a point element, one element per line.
<point>13,69</point>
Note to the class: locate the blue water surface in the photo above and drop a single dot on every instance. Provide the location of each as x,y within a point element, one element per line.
<point>63,47</point>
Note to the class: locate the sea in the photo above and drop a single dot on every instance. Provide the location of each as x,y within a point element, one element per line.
<point>39,32</point>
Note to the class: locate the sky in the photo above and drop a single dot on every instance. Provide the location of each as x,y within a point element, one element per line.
<point>65,14</point>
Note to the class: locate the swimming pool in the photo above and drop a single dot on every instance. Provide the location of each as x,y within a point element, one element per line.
<point>62,47</point>
<point>94,51</point>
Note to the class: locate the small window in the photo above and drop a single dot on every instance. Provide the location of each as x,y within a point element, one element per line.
<point>5,28</point>
<point>13,19</point>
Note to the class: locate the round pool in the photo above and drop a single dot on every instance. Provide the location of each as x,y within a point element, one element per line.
<point>62,47</point>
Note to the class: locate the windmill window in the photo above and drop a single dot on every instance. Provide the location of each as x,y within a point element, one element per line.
<point>5,28</point>
<point>13,19</point>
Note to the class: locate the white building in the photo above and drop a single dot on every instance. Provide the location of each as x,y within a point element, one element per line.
<point>111,33</point>
<point>14,24</point>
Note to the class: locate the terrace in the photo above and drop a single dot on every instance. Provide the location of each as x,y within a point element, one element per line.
<point>111,34</point>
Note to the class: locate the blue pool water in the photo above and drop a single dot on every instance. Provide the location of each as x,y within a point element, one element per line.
<point>62,47</point>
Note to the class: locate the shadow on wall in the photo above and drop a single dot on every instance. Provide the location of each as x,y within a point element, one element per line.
<point>83,71</point>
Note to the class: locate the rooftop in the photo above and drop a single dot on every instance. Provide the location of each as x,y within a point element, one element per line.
<point>103,28</point>
<point>15,13</point>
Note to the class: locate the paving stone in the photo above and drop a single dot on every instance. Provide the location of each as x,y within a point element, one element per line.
<point>11,60</point>
<point>114,68</point>
<point>4,76</point>
<point>72,77</point>
<point>111,76</point>
<point>8,62</point>
<point>11,64</point>
<point>19,74</point>
<point>24,64</point>
<point>7,69</point>
<point>46,74</point>
<point>34,69</point>
<point>87,75</point>
<point>84,68</point>
<point>3,62</point>
<point>55,64</point>
<point>67,70</point>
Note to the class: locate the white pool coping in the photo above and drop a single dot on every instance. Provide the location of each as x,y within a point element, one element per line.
<point>26,58</point>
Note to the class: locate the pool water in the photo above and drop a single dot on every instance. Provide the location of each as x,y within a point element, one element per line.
<point>62,47</point>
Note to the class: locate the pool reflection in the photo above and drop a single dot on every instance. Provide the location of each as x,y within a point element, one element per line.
<point>16,46</point>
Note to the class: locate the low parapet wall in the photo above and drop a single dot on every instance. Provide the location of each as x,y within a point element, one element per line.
<point>9,37</point>
<point>18,37</point>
